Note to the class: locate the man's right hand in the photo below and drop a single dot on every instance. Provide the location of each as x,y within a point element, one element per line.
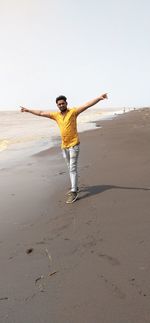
<point>39,113</point>
<point>24,109</point>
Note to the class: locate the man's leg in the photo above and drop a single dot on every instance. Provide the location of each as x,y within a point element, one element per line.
<point>71,156</point>
<point>74,154</point>
<point>66,155</point>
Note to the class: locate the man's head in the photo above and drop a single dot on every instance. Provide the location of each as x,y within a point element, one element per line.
<point>61,102</point>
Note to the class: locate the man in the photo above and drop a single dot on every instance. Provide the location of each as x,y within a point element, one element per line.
<point>66,120</point>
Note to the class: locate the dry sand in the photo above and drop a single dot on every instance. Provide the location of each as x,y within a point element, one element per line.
<point>87,262</point>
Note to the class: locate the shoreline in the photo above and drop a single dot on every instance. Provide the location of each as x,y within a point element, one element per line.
<point>89,261</point>
<point>104,119</point>
<point>20,150</point>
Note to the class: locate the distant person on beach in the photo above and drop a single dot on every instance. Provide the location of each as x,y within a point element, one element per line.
<point>66,120</point>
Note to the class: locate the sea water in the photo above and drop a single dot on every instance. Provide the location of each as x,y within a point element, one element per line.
<point>24,134</point>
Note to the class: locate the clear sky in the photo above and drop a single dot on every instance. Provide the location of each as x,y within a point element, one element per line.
<point>79,48</point>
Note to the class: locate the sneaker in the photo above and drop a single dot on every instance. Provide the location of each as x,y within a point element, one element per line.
<point>68,193</point>
<point>72,196</point>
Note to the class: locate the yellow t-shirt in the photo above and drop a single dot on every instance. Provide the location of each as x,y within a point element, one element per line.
<point>68,127</point>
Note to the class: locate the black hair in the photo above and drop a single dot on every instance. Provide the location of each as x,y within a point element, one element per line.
<point>61,97</point>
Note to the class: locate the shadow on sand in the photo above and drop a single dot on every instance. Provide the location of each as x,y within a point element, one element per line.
<point>97,189</point>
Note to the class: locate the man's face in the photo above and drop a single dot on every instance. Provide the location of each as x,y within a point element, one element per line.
<point>62,105</point>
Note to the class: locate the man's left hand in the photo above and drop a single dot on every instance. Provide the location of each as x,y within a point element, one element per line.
<point>104,96</point>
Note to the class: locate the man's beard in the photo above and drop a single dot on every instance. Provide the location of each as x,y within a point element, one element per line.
<point>63,109</point>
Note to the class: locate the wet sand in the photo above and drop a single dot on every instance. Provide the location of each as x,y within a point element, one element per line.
<point>87,262</point>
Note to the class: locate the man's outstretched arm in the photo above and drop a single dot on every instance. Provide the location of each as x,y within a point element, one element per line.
<point>36,112</point>
<point>91,103</point>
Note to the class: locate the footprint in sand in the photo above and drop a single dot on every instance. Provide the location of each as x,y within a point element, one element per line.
<point>134,284</point>
<point>116,289</point>
<point>113,261</point>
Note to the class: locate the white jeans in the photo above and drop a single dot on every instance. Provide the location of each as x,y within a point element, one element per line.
<point>71,156</point>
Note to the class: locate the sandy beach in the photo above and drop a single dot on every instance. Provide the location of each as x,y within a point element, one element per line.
<point>87,262</point>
